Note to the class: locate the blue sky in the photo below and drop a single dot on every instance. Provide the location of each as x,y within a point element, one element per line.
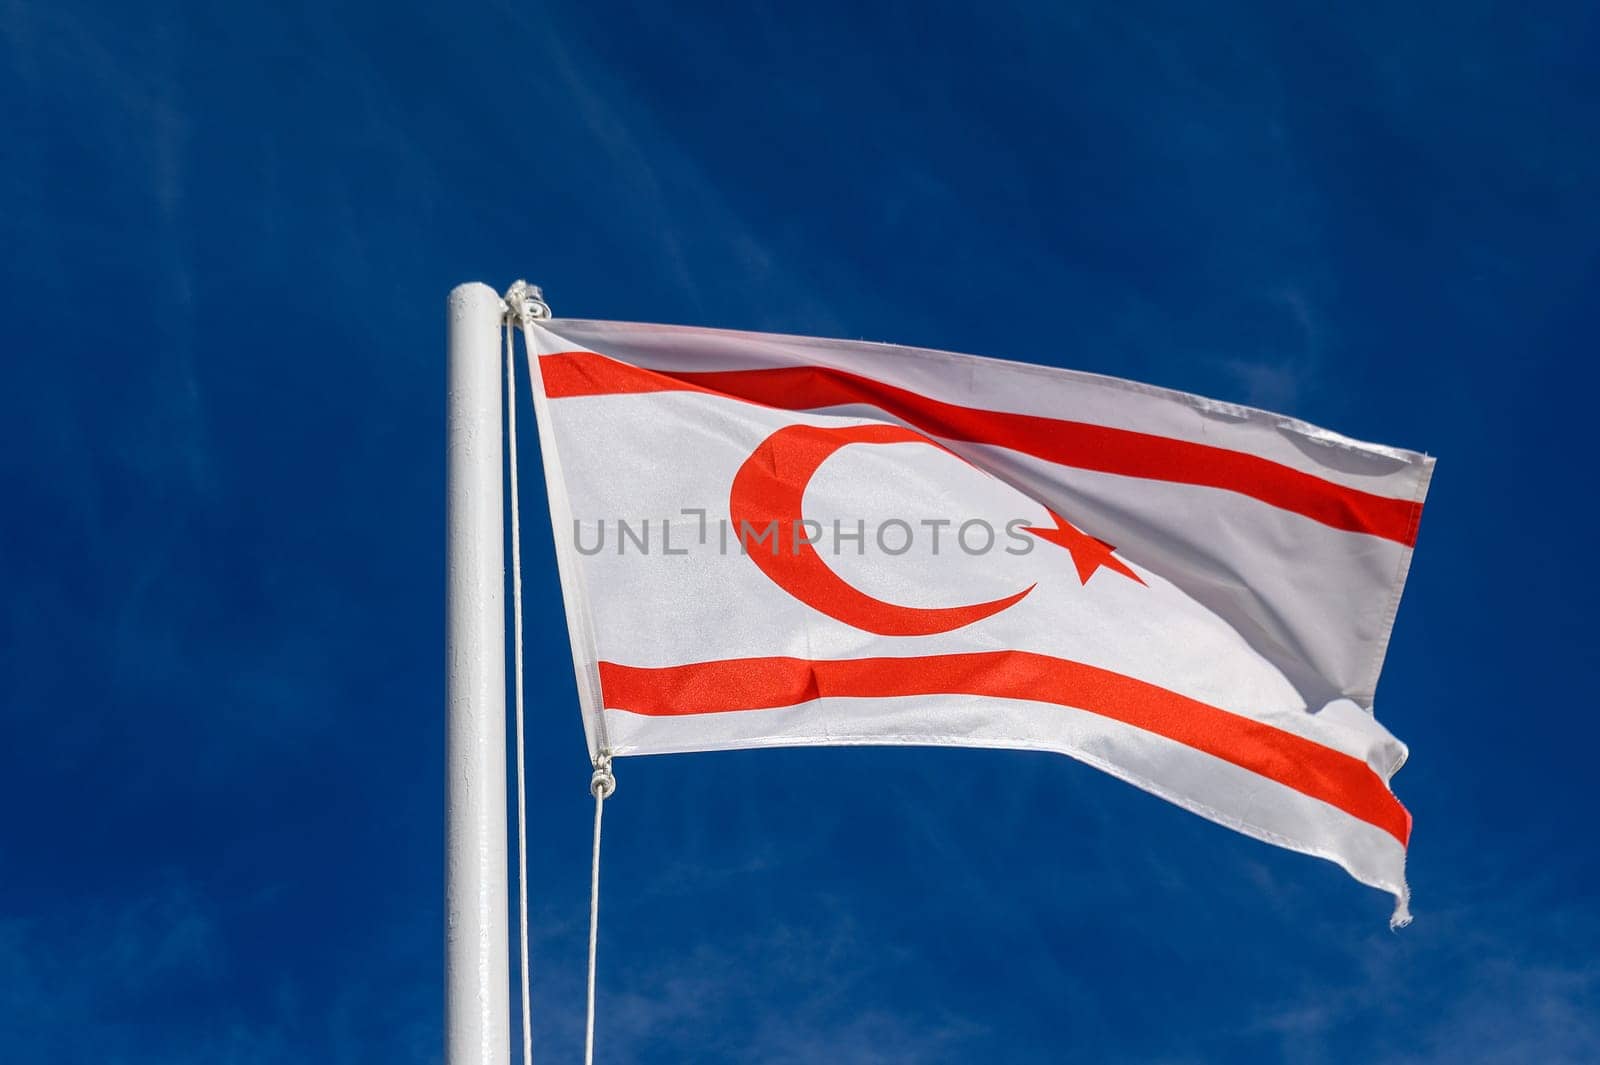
<point>227,238</point>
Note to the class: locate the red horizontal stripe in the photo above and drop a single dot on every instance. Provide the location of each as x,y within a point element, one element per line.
<point>1321,772</point>
<point>1066,443</point>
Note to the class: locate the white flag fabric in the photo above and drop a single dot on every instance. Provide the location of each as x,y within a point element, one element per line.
<point>778,541</point>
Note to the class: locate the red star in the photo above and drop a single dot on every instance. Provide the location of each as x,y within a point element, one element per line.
<point>1088,554</point>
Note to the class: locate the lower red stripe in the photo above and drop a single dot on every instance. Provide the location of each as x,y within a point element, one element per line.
<point>764,683</point>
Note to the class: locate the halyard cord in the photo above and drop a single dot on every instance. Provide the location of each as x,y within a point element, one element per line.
<point>601,784</point>
<point>516,628</point>
<point>523,305</point>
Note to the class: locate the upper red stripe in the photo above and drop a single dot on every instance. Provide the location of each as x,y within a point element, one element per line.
<point>763,683</point>
<point>1067,443</point>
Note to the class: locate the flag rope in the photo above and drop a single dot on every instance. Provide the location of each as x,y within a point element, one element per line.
<point>516,626</point>
<point>601,785</point>
<point>524,302</point>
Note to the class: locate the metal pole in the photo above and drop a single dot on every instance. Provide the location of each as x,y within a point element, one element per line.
<point>477,1006</point>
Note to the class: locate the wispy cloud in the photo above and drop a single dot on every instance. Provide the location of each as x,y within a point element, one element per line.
<point>1491,995</point>
<point>72,977</point>
<point>145,975</point>
<point>1287,358</point>
<point>683,1006</point>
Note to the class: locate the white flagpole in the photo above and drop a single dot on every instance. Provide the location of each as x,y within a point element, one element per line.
<point>477,1006</point>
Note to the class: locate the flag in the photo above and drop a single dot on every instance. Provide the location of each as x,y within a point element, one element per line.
<point>784,541</point>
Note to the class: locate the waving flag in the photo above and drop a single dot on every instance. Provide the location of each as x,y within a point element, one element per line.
<point>769,540</point>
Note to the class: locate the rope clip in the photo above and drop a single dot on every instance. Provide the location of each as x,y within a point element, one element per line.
<point>602,784</point>
<point>525,303</point>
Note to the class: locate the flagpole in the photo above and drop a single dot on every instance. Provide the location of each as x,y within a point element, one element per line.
<point>477,1003</point>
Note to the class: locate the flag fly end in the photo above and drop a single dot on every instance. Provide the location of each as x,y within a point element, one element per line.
<point>1402,909</point>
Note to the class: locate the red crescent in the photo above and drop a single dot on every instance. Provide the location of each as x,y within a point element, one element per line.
<point>771,486</point>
